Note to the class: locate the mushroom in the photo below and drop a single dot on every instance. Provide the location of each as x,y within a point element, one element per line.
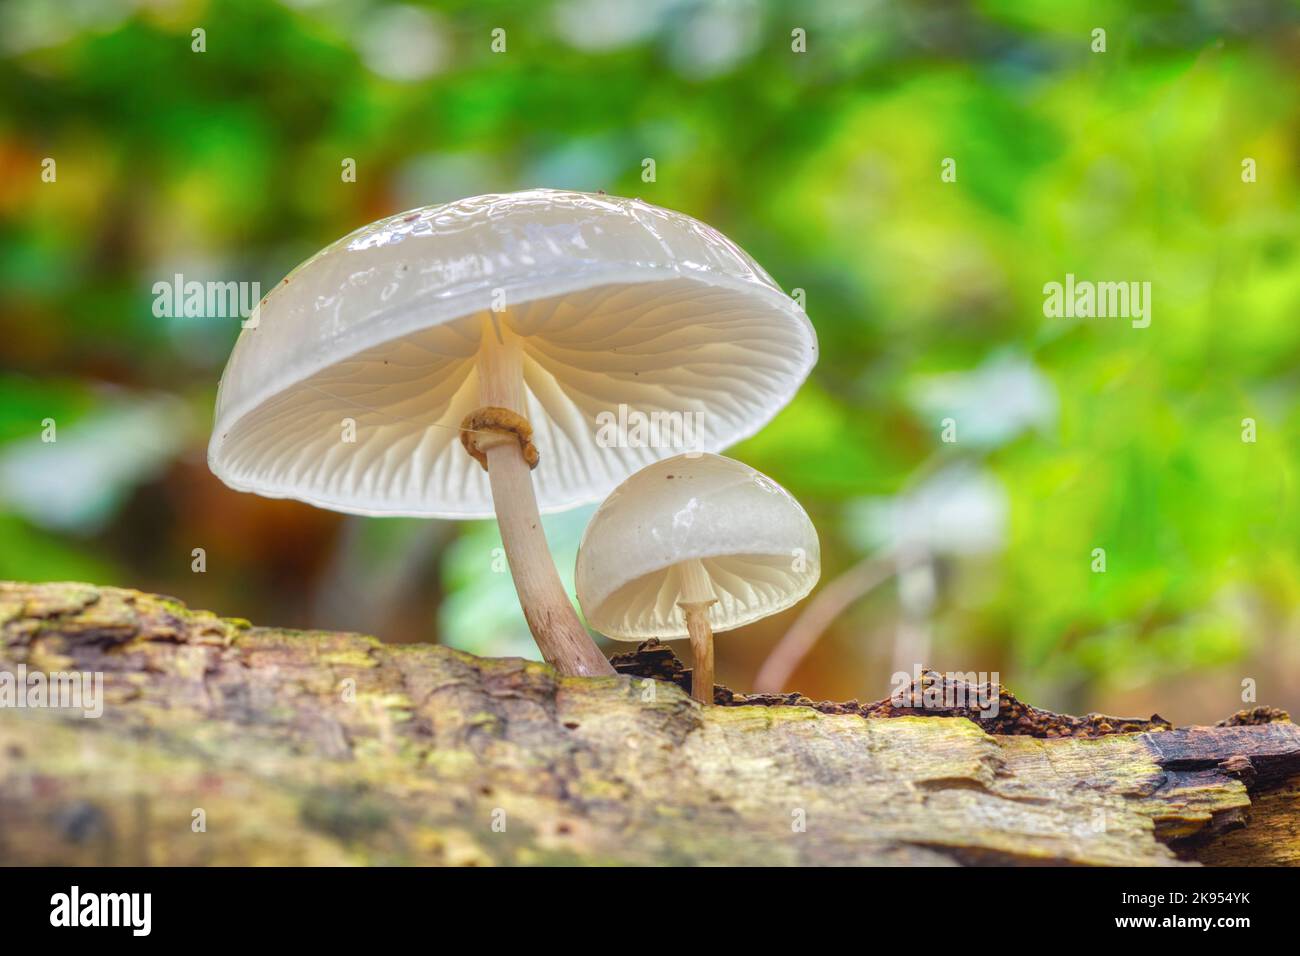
<point>693,545</point>
<point>466,360</point>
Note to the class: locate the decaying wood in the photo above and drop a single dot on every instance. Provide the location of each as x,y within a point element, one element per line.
<point>932,695</point>
<point>224,743</point>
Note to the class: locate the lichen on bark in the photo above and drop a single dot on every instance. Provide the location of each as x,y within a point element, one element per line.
<point>321,747</point>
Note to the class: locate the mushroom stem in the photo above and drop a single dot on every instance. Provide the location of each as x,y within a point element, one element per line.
<point>697,623</point>
<point>695,598</point>
<point>564,642</point>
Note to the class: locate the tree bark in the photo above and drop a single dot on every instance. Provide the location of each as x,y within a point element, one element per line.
<point>224,743</point>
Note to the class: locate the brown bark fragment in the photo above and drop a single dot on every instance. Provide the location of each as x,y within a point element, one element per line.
<point>1010,717</point>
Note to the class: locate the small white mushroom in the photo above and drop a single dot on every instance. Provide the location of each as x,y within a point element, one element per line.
<point>506,326</point>
<point>693,545</point>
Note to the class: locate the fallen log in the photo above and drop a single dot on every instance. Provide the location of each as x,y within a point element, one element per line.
<point>225,743</point>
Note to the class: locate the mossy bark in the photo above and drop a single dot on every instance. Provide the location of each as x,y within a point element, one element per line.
<point>316,747</point>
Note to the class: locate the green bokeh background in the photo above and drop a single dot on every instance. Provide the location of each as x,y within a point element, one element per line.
<point>927,296</point>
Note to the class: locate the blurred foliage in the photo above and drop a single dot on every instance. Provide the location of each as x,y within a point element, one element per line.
<point>927,296</point>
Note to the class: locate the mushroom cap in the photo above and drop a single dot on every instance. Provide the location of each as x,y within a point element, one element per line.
<point>618,303</point>
<point>753,539</point>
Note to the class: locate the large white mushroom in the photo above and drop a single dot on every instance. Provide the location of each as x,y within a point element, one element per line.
<point>424,364</point>
<point>693,545</point>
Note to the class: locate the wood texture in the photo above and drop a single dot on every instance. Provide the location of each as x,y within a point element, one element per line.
<point>317,747</point>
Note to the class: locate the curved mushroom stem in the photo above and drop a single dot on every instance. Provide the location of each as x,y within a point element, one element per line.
<point>564,642</point>
<point>695,599</point>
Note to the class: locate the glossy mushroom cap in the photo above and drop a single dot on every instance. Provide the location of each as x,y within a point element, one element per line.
<point>618,303</point>
<point>755,542</point>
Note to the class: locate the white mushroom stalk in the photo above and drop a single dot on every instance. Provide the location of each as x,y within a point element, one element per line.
<point>695,598</point>
<point>502,443</point>
<point>514,327</point>
<point>691,546</point>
